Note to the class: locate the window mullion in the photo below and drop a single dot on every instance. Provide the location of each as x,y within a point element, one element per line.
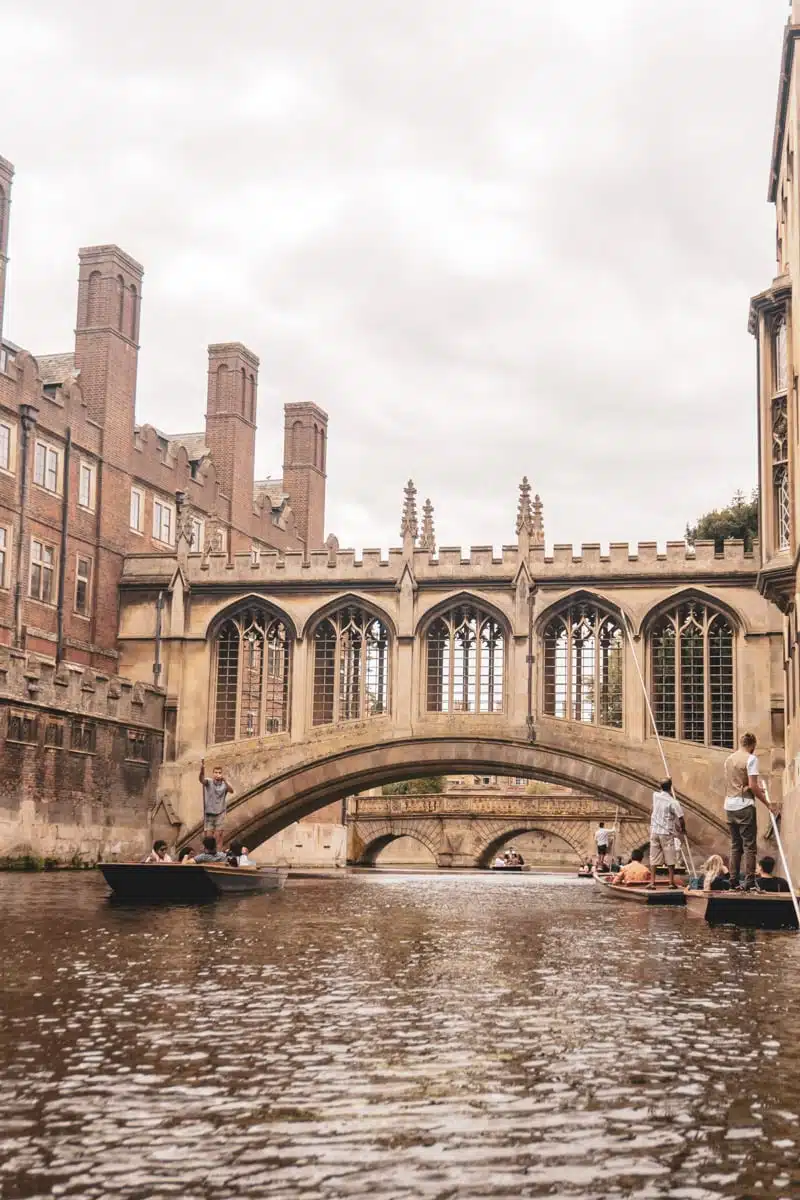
<point>239,680</point>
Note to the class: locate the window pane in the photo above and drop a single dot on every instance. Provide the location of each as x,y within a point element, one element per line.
<point>663,659</point>
<point>720,680</point>
<point>438,667</point>
<point>555,668</point>
<point>692,678</point>
<point>227,683</point>
<point>5,447</point>
<point>324,673</point>
<point>252,673</point>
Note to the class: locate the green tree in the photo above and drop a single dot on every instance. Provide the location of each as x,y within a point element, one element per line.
<point>738,520</point>
<point>414,787</point>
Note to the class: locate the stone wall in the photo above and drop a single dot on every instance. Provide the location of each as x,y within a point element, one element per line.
<point>79,758</point>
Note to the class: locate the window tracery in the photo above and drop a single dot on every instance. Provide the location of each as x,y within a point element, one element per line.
<point>351,667</point>
<point>252,676</point>
<point>691,663</point>
<point>583,662</point>
<point>466,662</point>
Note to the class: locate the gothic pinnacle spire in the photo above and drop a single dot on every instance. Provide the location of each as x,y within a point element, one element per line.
<point>537,534</point>
<point>408,525</point>
<point>427,539</point>
<point>524,515</point>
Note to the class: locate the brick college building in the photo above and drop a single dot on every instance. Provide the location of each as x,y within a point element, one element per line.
<point>82,486</point>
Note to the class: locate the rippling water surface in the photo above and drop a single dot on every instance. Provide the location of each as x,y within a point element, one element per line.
<point>395,1037</point>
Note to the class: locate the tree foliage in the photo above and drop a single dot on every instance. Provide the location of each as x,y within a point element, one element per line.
<point>739,519</point>
<point>414,787</point>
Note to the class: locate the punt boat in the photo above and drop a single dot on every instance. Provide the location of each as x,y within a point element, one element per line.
<point>640,893</point>
<point>757,910</point>
<point>197,881</point>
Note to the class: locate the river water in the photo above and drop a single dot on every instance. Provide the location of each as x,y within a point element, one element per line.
<point>398,1037</point>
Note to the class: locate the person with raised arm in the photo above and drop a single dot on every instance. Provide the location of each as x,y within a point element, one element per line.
<point>215,801</point>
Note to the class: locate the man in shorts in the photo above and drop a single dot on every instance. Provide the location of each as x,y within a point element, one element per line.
<point>742,788</point>
<point>666,824</point>
<point>215,801</point>
<point>602,839</point>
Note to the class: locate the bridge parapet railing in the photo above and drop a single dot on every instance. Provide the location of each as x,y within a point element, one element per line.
<point>447,805</point>
<point>479,563</point>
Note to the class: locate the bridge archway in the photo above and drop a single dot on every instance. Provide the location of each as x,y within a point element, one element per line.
<point>380,840</point>
<point>287,788</point>
<point>565,835</point>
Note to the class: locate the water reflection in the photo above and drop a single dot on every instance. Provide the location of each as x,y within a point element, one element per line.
<point>422,1036</point>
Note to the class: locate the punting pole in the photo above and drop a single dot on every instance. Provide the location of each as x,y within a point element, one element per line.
<point>779,840</point>
<point>667,771</point>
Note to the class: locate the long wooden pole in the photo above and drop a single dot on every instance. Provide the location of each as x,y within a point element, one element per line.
<point>655,728</point>
<point>779,840</point>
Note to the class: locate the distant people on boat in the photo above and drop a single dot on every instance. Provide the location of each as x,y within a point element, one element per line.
<point>766,880</point>
<point>158,854</point>
<point>742,789</point>
<point>186,855</point>
<point>602,839</point>
<point>209,853</point>
<point>633,872</point>
<point>667,824</point>
<point>215,801</point>
<point>499,863</point>
<point>515,859</point>
<point>237,856</point>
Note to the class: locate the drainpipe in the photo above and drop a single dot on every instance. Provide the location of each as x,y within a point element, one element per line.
<point>62,561</point>
<point>28,414</point>
<point>157,663</point>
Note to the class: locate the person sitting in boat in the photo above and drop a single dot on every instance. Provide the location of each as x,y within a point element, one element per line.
<point>159,853</point>
<point>237,856</point>
<point>633,872</point>
<point>209,853</point>
<point>766,881</point>
<point>499,863</point>
<point>186,855</point>
<point>714,875</point>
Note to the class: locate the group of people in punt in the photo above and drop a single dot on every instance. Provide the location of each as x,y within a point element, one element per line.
<point>511,859</point>
<point>743,788</point>
<point>216,791</point>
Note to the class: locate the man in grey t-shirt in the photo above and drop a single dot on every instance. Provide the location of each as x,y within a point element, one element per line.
<point>215,801</point>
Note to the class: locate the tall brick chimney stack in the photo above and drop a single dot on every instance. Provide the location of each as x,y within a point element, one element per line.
<point>305,447</point>
<point>231,425</point>
<point>107,343</point>
<point>6,176</point>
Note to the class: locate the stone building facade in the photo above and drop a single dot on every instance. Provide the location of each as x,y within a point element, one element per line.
<point>82,485</point>
<point>774,324</point>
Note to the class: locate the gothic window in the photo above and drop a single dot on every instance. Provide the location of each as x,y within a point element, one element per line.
<point>297,437</point>
<point>780,473</point>
<point>583,655</point>
<point>691,675</point>
<point>465,662</point>
<point>222,375</point>
<point>134,317</point>
<point>252,676</point>
<point>351,667</point>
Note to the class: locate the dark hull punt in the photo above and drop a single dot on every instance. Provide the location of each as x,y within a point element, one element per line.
<point>639,893</point>
<point>770,910</point>
<point>171,881</point>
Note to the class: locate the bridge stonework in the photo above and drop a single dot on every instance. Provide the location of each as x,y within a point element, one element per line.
<point>284,776</point>
<point>467,830</point>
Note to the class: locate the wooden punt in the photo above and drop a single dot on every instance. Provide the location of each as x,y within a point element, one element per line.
<point>585,874</point>
<point>640,893</point>
<point>150,882</point>
<point>756,910</point>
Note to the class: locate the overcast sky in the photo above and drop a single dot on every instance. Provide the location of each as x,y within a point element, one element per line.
<point>490,238</point>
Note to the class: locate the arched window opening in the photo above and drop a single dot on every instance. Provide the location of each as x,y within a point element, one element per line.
<point>134,316</point>
<point>252,403</point>
<point>297,438</point>
<point>465,662</point>
<point>779,366</point>
<point>583,657</point>
<point>351,667</point>
<point>222,379</point>
<point>120,303</point>
<point>691,667</point>
<point>323,441</point>
<point>252,676</point>
<point>93,299</point>
<point>2,216</point>
<point>243,391</point>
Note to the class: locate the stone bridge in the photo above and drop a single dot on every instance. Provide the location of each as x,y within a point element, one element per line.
<point>467,831</point>
<point>311,678</point>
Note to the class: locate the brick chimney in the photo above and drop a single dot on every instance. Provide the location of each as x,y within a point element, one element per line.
<point>107,343</point>
<point>231,425</point>
<point>305,448</point>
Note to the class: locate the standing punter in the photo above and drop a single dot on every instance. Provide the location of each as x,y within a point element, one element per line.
<point>666,824</point>
<point>742,789</point>
<point>215,801</point>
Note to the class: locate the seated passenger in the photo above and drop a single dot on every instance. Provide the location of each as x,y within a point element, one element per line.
<point>209,853</point>
<point>186,855</point>
<point>158,854</point>
<point>499,862</point>
<point>633,872</point>
<point>765,880</point>
<point>245,860</point>
<point>715,875</point>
